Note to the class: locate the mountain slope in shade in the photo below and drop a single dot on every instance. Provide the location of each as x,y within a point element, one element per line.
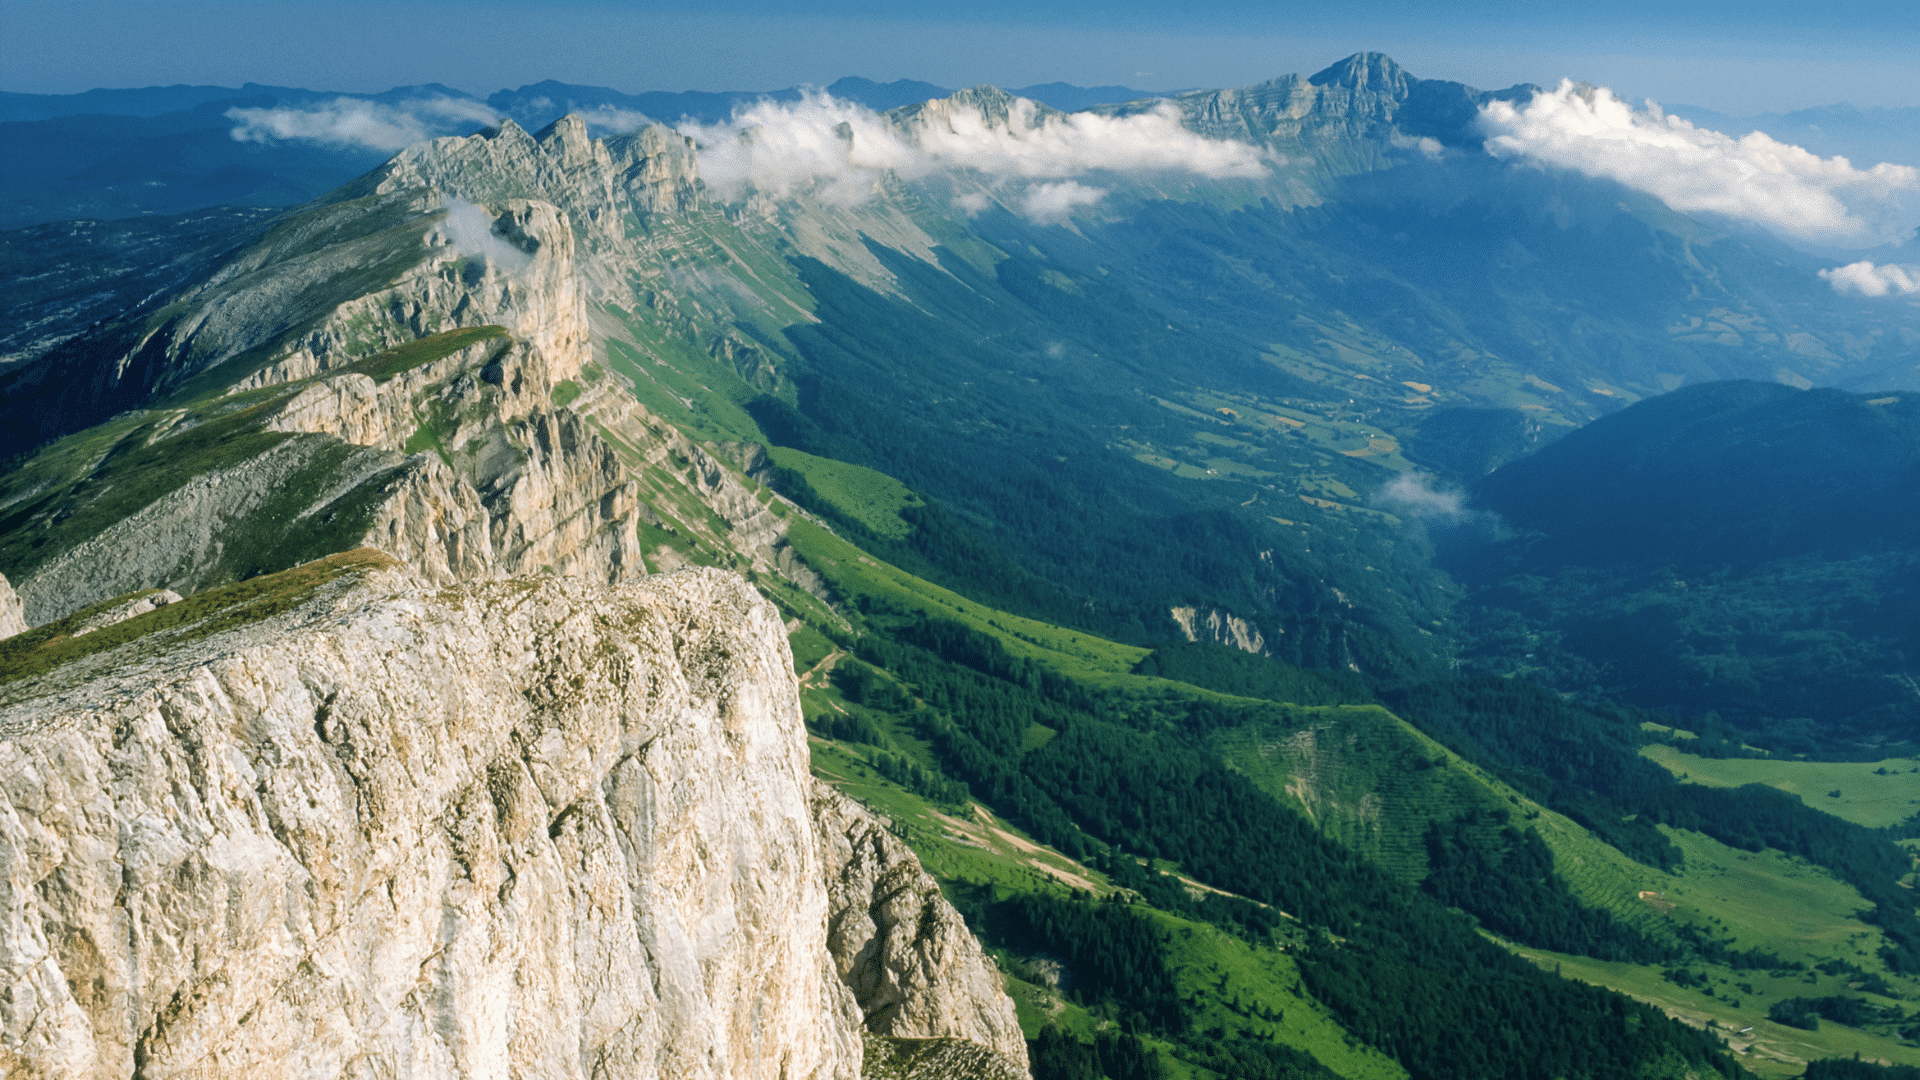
<point>1744,549</point>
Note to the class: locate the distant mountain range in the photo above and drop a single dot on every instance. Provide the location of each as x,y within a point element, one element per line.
<point>707,106</point>
<point>169,149</point>
<point>114,153</point>
<point>1863,136</point>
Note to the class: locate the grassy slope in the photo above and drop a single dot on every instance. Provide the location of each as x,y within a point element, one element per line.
<point>1872,793</point>
<point>854,574</point>
<point>1348,773</point>
<point>78,486</point>
<point>1366,777</point>
<point>874,499</point>
<point>45,648</point>
<point>1374,781</point>
<point>1351,775</point>
<point>972,847</point>
<point>1769,1050</point>
<point>969,845</point>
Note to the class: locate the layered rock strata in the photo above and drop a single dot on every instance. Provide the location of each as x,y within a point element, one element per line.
<point>465,465</point>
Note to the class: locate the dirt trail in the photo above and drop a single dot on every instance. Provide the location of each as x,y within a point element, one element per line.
<point>992,835</point>
<point>821,669</point>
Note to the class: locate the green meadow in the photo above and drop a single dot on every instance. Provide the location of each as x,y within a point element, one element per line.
<point>1871,793</point>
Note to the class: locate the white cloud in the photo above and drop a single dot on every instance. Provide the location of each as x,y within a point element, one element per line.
<point>1055,201</point>
<point>1035,145</point>
<point>834,147</point>
<point>356,122</point>
<point>1424,144</point>
<point>469,229</point>
<point>608,120</point>
<point>1414,495</point>
<point>1783,187</point>
<point>1867,279</point>
<point>839,151</point>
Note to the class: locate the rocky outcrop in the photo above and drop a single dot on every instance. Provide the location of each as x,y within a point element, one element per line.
<point>121,612</point>
<point>912,963</point>
<point>653,169</point>
<point>448,265</point>
<point>1220,628</point>
<point>531,828</point>
<point>12,616</point>
<point>493,456</point>
<point>512,483</point>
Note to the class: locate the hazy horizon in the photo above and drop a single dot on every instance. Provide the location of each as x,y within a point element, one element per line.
<point>1738,61</point>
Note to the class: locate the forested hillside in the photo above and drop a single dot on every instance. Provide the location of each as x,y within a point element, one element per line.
<point>1745,550</point>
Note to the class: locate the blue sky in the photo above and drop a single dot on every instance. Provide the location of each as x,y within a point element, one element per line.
<point>1739,58</point>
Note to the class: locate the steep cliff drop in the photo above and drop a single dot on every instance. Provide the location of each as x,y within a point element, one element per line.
<point>343,821</point>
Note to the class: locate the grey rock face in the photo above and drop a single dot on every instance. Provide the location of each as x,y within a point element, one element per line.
<point>121,612</point>
<point>516,484</point>
<point>533,828</point>
<point>13,618</point>
<point>915,968</point>
<point>1221,628</point>
<point>653,169</point>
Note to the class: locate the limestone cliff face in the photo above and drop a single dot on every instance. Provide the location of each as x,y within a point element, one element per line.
<point>177,541</point>
<point>418,263</point>
<point>527,487</point>
<point>1221,628</point>
<point>12,615</point>
<point>909,957</point>
<point>541,829</point>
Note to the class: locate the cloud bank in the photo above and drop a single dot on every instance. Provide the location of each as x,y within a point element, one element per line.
<point>1866,279</point>
<point>609,120</point>
<point>1782,187</point>
<point>356,122</point>
<point>839,151</point>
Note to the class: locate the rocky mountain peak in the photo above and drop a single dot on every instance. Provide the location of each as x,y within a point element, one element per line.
<point>593,180</point>
<point>999,110</point>
<point>568,136</point>
<point>1369,71</point>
